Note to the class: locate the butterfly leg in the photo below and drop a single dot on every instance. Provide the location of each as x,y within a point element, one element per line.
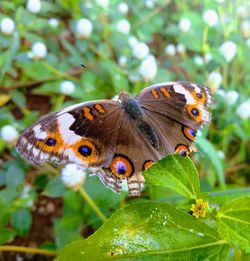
<point>135,184</point>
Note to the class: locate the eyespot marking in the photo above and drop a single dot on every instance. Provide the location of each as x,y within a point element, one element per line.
<point>155,94</point>
<point>99,108</point>
<point>182,149</point>
<point>195,113</point>
<point>189,133</point>
<point>85,150</point>
<point>121,166</point>
<point>87,113</point>
<point>50,142</point>
<point>165,92</point>
<point>147,164</point>
<point>200,97</point>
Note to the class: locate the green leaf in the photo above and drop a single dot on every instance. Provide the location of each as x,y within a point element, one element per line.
<point>149,231</point>
<point>233,222</point>
<point>21,220</point>
<point>209,151</point>
<point>54,188</point>
<point>177,173</point>
<point>14,175</point>
<point>6,235</point>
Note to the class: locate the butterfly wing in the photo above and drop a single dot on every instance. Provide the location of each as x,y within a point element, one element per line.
<point>176,110</point>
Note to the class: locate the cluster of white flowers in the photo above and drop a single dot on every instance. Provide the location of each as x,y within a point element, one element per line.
<point>72,176</point>
<point>148,68</point>
<point>9,134</point>
<point>214,80</point>
<point>102,3</point>
<point>149,4</point>
<point>245,28</point>
<point>7,26</point>
<point>67,87</point>
<point>123,8</point>
<point>122,60</point>
<point>140,50</point>
<point>34,6</point>
<point>132,41</point>
<point>180,48</point>
<point>242,11</point>
<point>243,111</point>
<point>230,97</point>
<point>199,61</point>
<point>38,51</point>
<point>185,24</point>
<point>53,22</point>
<point>228,49</point>
<point>170,50</point>
<point>123,26</point>
<point>210,17</point>
<point>84,28</point>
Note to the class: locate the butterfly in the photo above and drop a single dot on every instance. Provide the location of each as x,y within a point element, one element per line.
<point>118,140</point>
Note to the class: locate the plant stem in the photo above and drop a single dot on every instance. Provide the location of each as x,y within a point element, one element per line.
<point>28,250</point>
<point>92,204</point>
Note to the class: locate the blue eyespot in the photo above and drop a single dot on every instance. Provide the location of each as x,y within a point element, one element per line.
<point>85,151</point>
<point>50,142</point>
<point>183,153</point>
<point>195,112</point>
<point>192,132</point>
<point>199,95</point>
<point>121,168</point>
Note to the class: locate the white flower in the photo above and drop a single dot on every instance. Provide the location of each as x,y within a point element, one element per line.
<point>9,133</point>
<point>198,60</point>
<point>7,26</point>
<point>53,22</point>
<point>248,42</point>
<point>245,28</point>
<point>181,48</point>
<point>123,26</point>
<point>122,60</point>
<point>170,50</point>
<point>221,154</point>
<point>132,41</point>
<point>242,11</point>
<point>72,176</point>
<point>208,57</point>
<point>210,17</point>
<point>67,87</point>
<point>103,3</point>
<point>148,68</point>
<point>231,97</point>
<point>84,28</point>
<point>228,50</point>
<point>38,51</point>
<point>243,111</point>
<point>184,24</point>
<point>149,4</point>
<point>34,6</point>
<point>140,50</point>
<point>214,80</point>
<point>123,8</point>
<point>221,92</point>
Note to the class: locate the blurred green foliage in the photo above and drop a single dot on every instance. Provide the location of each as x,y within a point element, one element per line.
<point>35,204</point>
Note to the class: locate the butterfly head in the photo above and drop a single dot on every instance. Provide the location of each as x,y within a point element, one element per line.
<point>124,96</point>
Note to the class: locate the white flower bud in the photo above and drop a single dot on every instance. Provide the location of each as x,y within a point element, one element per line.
<point>149,4</point>
<point>221,154</point>
<point>170,50</point>
<point>210,17</point>
<point>9,133</point>
<point>38,51</point>
<point>53,22</point>
<point>214,80</point>
<point>140,51</point>
<point>181,48</point>
<point>72,176</point>
<point>148,68</point>
<point>123,8</point>
<point>122,60</point>
<point>84,28</point>
<point>208,57</point>
<point>245,28</point>
<point>184,24</point>
<point>228,50</point>
<point>34,6</point>
<point>241,11</point>
<point>102,3</point>
<point>231,97</point>
<point>67,87</point>
<point>7,26</point>
<point>243,111</point>
<point>198,60</point>
<point>123,26</point>
<point>132,41</point>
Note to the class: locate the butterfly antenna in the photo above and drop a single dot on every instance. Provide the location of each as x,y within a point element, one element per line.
<point>99,76</point>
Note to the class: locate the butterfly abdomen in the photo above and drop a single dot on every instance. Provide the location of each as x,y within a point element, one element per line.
<point>134,112</point>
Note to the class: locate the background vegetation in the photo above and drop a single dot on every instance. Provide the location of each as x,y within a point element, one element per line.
<point>130,45</point>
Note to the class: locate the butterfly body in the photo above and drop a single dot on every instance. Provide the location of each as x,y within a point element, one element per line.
<point>117,140</point>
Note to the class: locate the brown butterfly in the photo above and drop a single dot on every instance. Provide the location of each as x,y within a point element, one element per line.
<point>117,140</point>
